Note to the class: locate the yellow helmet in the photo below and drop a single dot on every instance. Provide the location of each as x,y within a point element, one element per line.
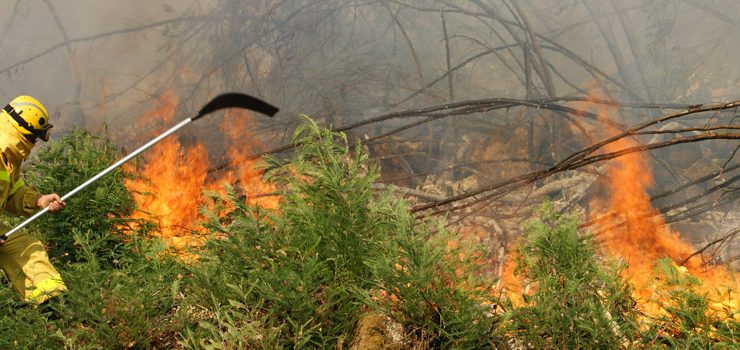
<point>29,117</point>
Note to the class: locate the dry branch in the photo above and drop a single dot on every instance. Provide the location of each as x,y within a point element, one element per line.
<point>730,235</point>
<point>475,106</point>
<point>583,158</point>
<point>447,56</point>
<point>691,207</point>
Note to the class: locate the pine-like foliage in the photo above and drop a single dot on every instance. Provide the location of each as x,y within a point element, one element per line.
<point>97,210</point>
<point>301,276</point>
<point>122,291</point>
<point>688,322</point>
<point>577,303</point>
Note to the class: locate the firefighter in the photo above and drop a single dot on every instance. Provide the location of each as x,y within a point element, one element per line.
<point>23,257</point>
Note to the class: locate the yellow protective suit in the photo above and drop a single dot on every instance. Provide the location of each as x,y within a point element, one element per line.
<point>22,257</point>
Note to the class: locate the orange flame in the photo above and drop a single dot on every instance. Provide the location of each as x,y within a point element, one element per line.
<point>635,232</point>
<point>175,177</point>
<point>643,237</point>
<point>238,126</point>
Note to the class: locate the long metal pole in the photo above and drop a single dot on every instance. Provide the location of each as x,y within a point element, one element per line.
<point>227,100</point>
<point>99,175</point>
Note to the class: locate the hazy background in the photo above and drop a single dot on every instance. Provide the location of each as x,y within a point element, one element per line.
<point>104,63</point>
<point>342,57</point>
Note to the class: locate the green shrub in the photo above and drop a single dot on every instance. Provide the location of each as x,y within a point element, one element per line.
<point>130,306</point>
<point>443,297</point>
<point>133,306</point>
<point>688,323</point>
<point>304,264</point>
<point>234,325</point>
<point>23,327</point>
<point>97,210</point>
<point>301,276</point>
<point>121,293</point>
<point>577,303</point>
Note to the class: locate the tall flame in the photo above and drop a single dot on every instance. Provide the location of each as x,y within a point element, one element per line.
<point>640,236</point>
<point>238,125</point>
<point>175,176</point>
<point>632,230</point>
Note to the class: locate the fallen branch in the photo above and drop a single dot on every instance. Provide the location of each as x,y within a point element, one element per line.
<point>477,106</point>
<point>583,158</point>
<point>407,191</point>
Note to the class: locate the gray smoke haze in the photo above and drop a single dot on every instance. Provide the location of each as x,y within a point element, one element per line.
<point>324,57</point>
<point>108,61</point>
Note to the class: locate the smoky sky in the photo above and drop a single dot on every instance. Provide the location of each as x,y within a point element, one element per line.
<point>350,52</point>
<point>107,62</point>
<point>106,65</point>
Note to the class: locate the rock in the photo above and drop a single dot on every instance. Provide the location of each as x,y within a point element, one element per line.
<point>377,331</point>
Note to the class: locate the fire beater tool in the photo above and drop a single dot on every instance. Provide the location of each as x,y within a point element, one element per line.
<point>228,100</point>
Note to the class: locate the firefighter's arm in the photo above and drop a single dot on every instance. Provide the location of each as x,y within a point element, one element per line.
<point>22,199</point>
<point>4,185</point>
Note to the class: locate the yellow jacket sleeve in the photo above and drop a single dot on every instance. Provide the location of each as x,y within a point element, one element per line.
<point>4,186</point>
<point>22,199</point>
<point>15,196</point>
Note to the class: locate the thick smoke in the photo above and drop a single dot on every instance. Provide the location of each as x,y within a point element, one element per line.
<point>105,62</point>
<point>353,58</point>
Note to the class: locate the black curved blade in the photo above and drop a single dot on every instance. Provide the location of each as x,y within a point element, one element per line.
<point>237,100</point>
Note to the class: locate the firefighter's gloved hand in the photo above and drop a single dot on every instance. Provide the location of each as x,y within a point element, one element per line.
<point>53,201</point>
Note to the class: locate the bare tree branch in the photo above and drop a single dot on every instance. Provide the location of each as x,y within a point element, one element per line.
<point>582,158</point>
<point>727,237</point>
<point>447,56</point>
<point>100,36</point>
<point>70,51</point>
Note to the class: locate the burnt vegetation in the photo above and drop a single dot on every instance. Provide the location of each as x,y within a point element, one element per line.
<point>437,130</point>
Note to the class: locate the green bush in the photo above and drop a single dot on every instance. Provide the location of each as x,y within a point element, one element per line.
<point>130,306</point>
<point>444,298</point>
<point>121,293</point>
<point>23,327</point>
<point>577,302</point>
<point>133,306</point>
<point>301,267</point>
<point>301,276</point>
<point>97,210</point>
<point>688,323</point>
